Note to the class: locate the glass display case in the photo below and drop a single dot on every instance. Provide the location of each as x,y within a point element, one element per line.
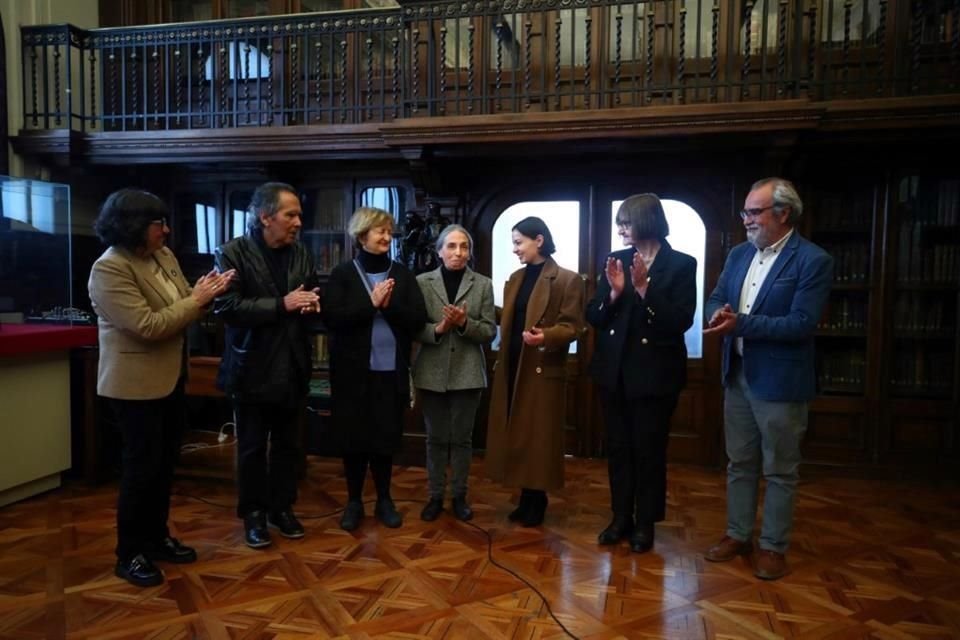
<point>35,254</point>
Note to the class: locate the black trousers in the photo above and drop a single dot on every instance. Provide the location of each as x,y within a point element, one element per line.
<point>266,476</point>
<point>637,434</point>
<point>150,431</point>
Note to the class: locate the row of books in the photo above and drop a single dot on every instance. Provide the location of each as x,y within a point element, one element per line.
<point>851,261</point>
<point>844,369</point>
<point>918,260</point>
<point>327,249</point>
<point>844,313</point>
<point>922,370</point>
<point>320,351</point>
<point>921,311</point>
<point>835,213</point>
<point>930,204</point>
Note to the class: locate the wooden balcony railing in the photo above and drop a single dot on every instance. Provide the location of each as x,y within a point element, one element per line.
<point>467,57</point>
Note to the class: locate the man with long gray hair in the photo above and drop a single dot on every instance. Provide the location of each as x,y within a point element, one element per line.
<point>266,362</point>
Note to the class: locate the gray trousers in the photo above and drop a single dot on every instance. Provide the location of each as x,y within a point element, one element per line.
<point>761,437</point>
<point>449,418</point>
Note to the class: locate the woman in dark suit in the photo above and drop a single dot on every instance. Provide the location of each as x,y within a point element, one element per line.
<point>643,305</point>
<point>542,315</point>
<point>144,306</point>
<point>373,310</point>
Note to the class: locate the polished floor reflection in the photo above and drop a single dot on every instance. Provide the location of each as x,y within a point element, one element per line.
<point>871,559</point>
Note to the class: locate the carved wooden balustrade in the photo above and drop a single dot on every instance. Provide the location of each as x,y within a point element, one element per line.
<point>452,58</point>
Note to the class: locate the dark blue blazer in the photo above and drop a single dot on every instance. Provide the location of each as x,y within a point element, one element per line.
<point>640,340</point>
<point>778,333</point>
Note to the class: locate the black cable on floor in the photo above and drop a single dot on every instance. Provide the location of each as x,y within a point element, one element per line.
<point>519,577</point>
<point>477,527</point>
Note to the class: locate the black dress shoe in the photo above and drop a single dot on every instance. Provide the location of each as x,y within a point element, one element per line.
<point>386,512</point>
<point>618,529</point>
<point>641,540</point>
<point>352,515</point>
<point>255,530</point>
<point>170,550</point>
<point>461,510</point>
<point>139,571</point>
<point>287,523</point>
<point>432,510</point>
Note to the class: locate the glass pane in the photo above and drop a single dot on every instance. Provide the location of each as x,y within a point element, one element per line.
<point>689,235</point>
<point>324,215</point>
<point>864,18</point>
<point>246,8</point>
<point>190,10</point>
<point>195,225</point>
<point>36,241</point>
<point>563,220</point>
<point>310,6</point>
<point>237,206</point>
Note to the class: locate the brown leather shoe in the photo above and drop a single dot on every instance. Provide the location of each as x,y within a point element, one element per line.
<point>769,565</point>
<point>728,549</point>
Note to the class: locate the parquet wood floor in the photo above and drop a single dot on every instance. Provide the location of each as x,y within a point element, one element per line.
<point>870,559</point>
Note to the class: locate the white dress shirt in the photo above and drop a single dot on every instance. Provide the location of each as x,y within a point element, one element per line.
<point>763,261</point>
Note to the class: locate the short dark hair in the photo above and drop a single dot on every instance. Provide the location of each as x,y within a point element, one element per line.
<point>266,199</point>
<point>646,216</point>
<point>125,216</point>
<point>532,227</point>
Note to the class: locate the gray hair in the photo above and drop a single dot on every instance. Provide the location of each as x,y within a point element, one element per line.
<point>784,195</point>
<point>450,228</point>
<point>266,199</point>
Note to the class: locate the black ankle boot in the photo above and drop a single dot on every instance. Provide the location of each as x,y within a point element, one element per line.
<point>538,507</point>
<point>461,509</point>
<point>352,515</point>
<point>386,512</point>
<point>523,507</point>
<point>641,540</point>
<point>619,528</point>
<point>432,510</point>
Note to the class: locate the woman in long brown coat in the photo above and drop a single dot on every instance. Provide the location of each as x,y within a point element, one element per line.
<point>542,315</point>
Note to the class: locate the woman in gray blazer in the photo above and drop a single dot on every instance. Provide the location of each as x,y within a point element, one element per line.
<point>450,369</point>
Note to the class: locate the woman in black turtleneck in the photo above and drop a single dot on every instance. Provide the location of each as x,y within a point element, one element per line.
<point>373,309</point>
<point>542,315</point>
<point>450,371</point>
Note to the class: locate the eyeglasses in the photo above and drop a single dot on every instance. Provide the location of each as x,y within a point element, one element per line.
<point>160,221</point>
<point>754,213</point>
<point>623,224</point>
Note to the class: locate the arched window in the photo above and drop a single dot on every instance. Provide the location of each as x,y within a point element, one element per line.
<point>687,234</point>
<point>563,220</point>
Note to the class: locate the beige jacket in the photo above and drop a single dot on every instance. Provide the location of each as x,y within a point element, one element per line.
<point>141,325</point>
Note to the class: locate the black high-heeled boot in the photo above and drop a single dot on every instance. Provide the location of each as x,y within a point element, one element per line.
<point>538,506</point>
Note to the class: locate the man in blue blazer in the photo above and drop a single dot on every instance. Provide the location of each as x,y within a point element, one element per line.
<point>766,306</point>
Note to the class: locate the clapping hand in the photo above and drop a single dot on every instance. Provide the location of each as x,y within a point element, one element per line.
<point>302,301</point>
<point>638,274</point>
<point>380,296</point>
<point>723,321</point>
<point>211,285</point>
<point>615,277</point>
<point>455,316</point>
